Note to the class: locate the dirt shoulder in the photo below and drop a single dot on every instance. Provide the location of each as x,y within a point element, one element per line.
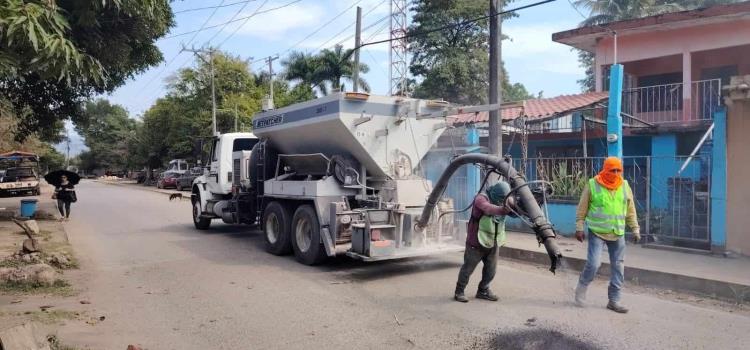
<point>39,287</point>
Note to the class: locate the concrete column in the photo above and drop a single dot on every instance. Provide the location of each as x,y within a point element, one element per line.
<point>598,77</point>
<point>687,85</point>
<point>719,183</point>
<point>614,119</point>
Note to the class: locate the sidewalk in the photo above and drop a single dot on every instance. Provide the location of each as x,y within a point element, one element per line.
<point>725,278</point>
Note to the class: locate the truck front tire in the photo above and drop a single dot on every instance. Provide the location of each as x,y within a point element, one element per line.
<point>200,223</point>
<point>308,247</point>
<point>275,225</point>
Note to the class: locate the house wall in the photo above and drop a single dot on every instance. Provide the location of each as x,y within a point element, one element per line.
<point>738,166</point>
<point>683,42</point>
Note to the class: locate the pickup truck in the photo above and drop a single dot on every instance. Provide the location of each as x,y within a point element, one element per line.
<point>20,180</point>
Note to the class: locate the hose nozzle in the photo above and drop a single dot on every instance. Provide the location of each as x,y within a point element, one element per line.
<point>554,253</point>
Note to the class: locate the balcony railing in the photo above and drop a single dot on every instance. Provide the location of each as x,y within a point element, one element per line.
<point>661,104</point>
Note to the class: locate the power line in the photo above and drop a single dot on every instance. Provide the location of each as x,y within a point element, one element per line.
<point>351,24</point>
<point>212,7</point>
<point>241,25</point>
<point>461,24</point>
<point>232,21</point>
<point>150,81</point>
<point>323,26</point>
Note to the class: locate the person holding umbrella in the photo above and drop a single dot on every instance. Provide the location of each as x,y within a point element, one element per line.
<point>64,182</point>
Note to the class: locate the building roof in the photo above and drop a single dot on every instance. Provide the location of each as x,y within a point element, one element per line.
<point>17,154</point>
<point>586,37</point>
<point>538,109</point>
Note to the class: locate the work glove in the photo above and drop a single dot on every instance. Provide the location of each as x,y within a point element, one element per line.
<point>580,236</point>
<point>636,237</point>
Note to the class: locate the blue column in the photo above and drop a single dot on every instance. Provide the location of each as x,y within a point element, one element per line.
<point>472,175</point>
<point>719,183</point>
<point>614,120</point>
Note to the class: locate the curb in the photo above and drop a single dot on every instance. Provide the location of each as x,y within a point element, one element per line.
<point>648,278</point>
<point>141,187</point>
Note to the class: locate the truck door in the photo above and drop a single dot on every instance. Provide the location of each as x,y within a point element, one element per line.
<point>214,159</point>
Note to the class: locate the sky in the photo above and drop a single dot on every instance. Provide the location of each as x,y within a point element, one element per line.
<point>530,56</point>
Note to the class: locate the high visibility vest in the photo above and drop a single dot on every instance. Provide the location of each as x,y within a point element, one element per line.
<point>491,231</point>
<point>607,209</point>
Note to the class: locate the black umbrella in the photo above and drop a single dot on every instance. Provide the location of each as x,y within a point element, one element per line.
<point>55,177</point>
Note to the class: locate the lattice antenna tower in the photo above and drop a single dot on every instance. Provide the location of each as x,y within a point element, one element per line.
<point>398,70</point>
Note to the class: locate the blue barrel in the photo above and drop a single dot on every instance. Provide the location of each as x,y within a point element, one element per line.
<point>28,207</point>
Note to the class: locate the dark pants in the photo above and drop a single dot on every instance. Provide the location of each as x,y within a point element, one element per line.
<point>472,257</point>
<point>63,204</point>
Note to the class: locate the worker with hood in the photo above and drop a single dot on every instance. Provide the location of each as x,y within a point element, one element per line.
<point>485,233</point>
<point>606,206</point>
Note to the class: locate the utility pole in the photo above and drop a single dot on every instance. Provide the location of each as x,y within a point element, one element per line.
<point>357,43</point>
<point>270,60</point>
<point>496,132</point>
<point>67,148</point>
<point>210,62</point>
<point>235,117</point>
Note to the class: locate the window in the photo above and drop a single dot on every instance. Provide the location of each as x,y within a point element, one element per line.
<point>243,144</point>
<point>215,150</point>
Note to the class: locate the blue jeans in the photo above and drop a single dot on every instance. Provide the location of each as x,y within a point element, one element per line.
<point>616,263</point>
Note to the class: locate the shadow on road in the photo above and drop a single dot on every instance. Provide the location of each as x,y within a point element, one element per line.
<point>245,246</point>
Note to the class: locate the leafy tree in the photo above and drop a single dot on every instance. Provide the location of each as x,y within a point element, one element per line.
<point>54,55</point>
<point>453,63</point>
<point>303,68</point>
<point>107,129</point>
<point>333,65</point>
<point>171,127</point>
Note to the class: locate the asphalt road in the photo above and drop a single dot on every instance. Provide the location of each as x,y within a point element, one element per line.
<point>164,285</point>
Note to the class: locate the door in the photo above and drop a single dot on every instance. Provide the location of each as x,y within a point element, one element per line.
<point>214,158</point>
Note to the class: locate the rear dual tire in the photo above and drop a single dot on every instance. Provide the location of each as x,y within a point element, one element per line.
<point>306,242</point>
<point>276,227</point>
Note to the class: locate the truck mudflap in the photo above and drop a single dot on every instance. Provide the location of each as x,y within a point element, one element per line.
<point>406,252</point>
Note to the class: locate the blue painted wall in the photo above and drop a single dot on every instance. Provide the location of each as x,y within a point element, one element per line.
<point>719,182</point>
<point>561,215</point>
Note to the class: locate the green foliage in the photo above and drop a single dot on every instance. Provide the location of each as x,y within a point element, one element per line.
<point>107,130</point>
<point>567,177</point>
<point>327,68</point>
<point>171,127</point>
<point>453,64</point>
<point>54,55</point>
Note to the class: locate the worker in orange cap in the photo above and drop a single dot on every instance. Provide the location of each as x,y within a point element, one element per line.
<point>606,206</point>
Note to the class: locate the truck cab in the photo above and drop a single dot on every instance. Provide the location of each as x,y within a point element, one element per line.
<point>215,193</point>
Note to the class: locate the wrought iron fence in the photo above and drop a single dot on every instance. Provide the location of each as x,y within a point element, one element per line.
<point>660,104</point>
<point>673,207</point>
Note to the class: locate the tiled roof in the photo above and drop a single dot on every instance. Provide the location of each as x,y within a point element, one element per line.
<point>537,108</point>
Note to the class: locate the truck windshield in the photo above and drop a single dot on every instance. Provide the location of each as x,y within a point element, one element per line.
<point>243,144</point>
<point>15,174</point>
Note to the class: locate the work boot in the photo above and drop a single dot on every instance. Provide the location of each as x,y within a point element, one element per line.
<point>617,307</point>
<point>580,296</point>
<point>459,296</point>
<point>487,295</point>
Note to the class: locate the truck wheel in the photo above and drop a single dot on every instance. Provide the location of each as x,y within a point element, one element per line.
<point>308,248</point>
<point>276,222</point>
<point>199,222</point>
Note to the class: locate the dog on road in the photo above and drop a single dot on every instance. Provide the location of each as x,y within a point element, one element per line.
<point>174,196</point>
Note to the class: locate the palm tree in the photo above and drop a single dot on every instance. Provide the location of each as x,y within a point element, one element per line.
<point>303,68</point>
<point>605,11</point>
<point>336,64</point>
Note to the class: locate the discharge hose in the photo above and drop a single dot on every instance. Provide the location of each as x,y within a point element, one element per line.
<point>542,228</point>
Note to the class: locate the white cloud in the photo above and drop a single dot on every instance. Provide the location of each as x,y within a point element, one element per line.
<point>533,44</point>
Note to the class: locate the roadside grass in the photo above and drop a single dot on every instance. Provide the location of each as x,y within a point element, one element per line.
<point>59,288</point>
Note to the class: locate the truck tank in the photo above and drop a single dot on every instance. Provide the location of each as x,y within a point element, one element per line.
<point>381,133</point>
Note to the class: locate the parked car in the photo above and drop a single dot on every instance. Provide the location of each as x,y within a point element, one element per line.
<point>167,179</point>
<point>185,181</point>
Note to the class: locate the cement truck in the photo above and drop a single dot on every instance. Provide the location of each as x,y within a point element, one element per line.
<point>336,175</point>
